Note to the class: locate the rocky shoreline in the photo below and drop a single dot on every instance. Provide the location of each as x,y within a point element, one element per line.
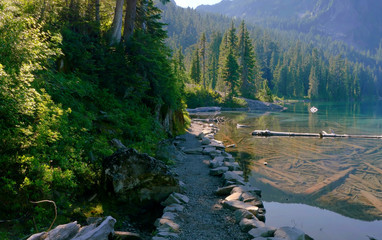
<point>204,194</point>
<point>242,200</point>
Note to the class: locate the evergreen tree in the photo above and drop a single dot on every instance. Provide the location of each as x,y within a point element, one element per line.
<point>202,52</point>
<point>195,73</point>
<point>230,74</point>
<point>247,61</point>
<point>213,58</point>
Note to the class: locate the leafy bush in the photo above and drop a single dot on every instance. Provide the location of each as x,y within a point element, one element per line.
<point>197,96</point>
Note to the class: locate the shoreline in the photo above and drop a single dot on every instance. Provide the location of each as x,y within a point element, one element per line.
<point>214,191</point>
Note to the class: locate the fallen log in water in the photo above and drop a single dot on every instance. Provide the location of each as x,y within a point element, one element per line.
<point>267,133</point>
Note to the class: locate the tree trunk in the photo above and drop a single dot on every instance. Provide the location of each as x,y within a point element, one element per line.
<point>97,6</point>
<point>117,23</point>
<point>131,9</point>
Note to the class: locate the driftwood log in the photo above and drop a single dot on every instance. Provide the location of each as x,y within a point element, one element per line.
<point>267,133</point>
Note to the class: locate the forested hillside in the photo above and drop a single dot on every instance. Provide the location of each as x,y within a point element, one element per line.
<point>294,65</point>
<point>357,23</point>
<point>71,81</point>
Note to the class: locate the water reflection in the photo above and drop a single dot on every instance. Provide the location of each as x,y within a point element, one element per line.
<point>343,175</point>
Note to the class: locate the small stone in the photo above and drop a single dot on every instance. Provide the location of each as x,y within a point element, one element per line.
<point>171,200</point>
<point>262,232</point>
<point>166,224</point>
<point>216,162</point>
<point>229,159</point>
<point>224,191</point>
<point>205,141</point>
<point>167,234</point>
<point>193,151</point>
<point>247,224</point>
<point>182,198</point>
<point>200,136</point>
<point>231,146</point>
<point>127,235</point>
<point>242,213</point>
<point>232,166</point>
<point>290,233</point>
<point>170,215</point>
<point>234,196</point>
<point>159,238</point>
<point>233,177</point>
<point>174,208</point>
<point>218,171</point>
<point>235,205</point>
<point>247,188</point>
<point>228,155</point>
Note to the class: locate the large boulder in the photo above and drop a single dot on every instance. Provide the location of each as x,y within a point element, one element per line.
<point>132,176</point>
<point>168,152</point>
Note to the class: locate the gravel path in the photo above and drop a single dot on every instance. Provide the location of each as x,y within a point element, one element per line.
<point>204,216</point>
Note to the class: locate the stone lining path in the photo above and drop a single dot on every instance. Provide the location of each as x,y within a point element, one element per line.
<point>203,216</point>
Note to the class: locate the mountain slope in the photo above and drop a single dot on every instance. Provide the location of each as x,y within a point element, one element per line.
<point>355,22</point>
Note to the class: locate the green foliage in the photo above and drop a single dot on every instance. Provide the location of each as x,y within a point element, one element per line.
<point>197,96</point>
<point>295,65</point>
<point>265,93</point>
<point>65,93</point>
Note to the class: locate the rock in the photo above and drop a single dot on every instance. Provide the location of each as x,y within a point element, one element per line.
<point>235,205</point>
<point>37,236</point>
<point>216,162</point>
<point>195,151</point>
<point>174,208</point>
<point>229,159</point>
<point>170,215</point>
<point>262,232</point>
<point>247,188</point>
<point>117,143</point>
<point>247,224</point>
<point>208,149</point>
<point>233,177</point>
<point>138,177</point>
<point>242,213</point>
<point>232,166</point>
<point>176,198</point>
<point>228,155</point>
<point>168,224</point>
<point>224,191</point>
<point>127,236</point>
<point>168,152</point>
<point>167,234</point>
<point>234,196</point>
<point>159,238</point>
<point>62,232</point>
<point>200,136</point>
<point>218,171</point>
<point>101,232</point>
<point>217,144</point>
<point>290,233</point>
<point>205,141</point>
<point>231,146</point>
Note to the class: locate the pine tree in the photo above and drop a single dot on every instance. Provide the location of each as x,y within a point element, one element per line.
<point>195,73</point>
<point>229,65</point>
<point>248,73</point>
<point>202,52</point>
<point>213,58</point>
<point>230,74</point>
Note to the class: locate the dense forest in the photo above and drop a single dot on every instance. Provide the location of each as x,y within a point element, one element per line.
<point>351,21</point>
<point>294,65</point>
<point>73,76</point>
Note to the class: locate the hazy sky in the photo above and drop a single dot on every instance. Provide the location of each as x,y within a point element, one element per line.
<point>194,3</point>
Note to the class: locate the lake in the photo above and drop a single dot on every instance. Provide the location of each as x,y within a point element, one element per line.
<point>307,180</point>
